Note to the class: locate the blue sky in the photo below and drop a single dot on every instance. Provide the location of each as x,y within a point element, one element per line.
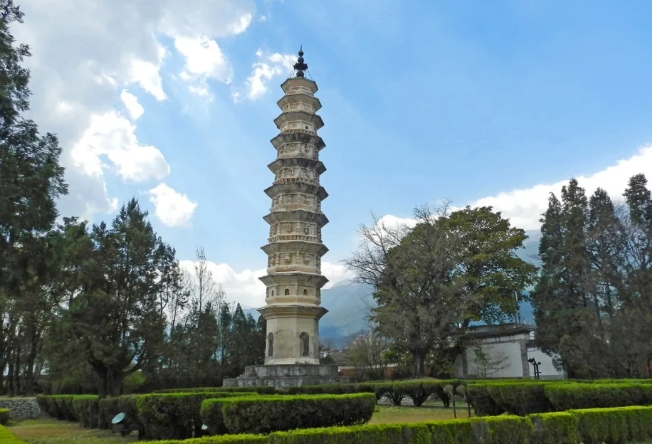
<point>422,100</point>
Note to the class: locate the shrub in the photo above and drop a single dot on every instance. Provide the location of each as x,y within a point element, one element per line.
<point>4,416</point>
<point>582,396</point>
<point>259,390</point>
<point>614,425</point>
<point>520,399</point>
<point>268,414</point>
<point>109,407</point>
<point>227,439</point>
<point>176,415</point>
<point>554,428</point>
<point>58,406</point>
<point>6,437</point>
<point>483,403</point>
<point>86,410</point>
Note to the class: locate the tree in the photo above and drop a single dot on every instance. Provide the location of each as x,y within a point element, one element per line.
<point>368,353</point>
<point>115,319</point>
<point>487,361</point>
<point>432,280</point>
<point>31,179</point>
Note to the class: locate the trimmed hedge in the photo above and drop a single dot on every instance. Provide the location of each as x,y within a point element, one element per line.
<point>584,396</point>
<point>176,415</point>
<point>58,406</point>
<point>109,407</point>
<point>554,428</point>
<point>614,425</point>
<point>6,437</point>
<point>86,410</point>
<point>4,416</point>
<point>259,390</point>
<point>589,426</point>
<point>269,414</point>
<point>499,430</point>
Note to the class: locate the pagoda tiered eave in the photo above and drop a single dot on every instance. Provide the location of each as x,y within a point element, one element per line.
<point>296,216</point>
<point>293,246</point>
<point>314,102</point>
<point>296,85</point>
<point>298,136</point>
<point>299,116</point>
<point>304,162</point>
<point>297,186</point>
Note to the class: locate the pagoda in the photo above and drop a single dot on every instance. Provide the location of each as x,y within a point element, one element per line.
<point>295,248</point>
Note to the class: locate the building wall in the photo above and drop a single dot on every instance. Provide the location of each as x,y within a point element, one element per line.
<point>507,352</point>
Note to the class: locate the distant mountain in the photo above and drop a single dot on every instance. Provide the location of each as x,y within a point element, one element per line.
<point>348,303</point>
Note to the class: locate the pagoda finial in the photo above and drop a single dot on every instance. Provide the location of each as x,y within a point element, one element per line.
<point>300,66</point>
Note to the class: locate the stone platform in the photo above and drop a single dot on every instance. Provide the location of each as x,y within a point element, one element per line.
<point>283,376</point>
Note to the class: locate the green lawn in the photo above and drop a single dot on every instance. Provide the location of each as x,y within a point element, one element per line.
<point>50,431</point>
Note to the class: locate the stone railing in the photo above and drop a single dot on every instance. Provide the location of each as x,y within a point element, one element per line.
<point>21,408</point>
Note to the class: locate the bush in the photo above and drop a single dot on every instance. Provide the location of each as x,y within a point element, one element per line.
<point>4,416</point>
<point>259,390</point>
<point>86,410</point>
<point>176,415</point>
<point>109,407</point>
<point>520,399</point>
<point>554,428</point>
<point>482,402</point>
<point>58,406</point>
<point>614,425</point>
<point>6,437</point>
<point>583,396</point>
<point>268,414</point>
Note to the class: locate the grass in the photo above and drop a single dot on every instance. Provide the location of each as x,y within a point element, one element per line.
<point>393,415</point>
<point>51,431</point>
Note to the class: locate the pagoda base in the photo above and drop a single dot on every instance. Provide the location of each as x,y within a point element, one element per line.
<point>284,376</point>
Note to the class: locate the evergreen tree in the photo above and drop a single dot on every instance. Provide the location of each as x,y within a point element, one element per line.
<point>31,179</point>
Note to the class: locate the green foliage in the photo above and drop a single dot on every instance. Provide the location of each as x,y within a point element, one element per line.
<point>226,439</point>
<point>4,416</point>
<point>6,437</point>
<point>277,413</point>
<point>175,415</point>
<point>86,410</point>
<point>614,425</point>
<point>259,390</point>
<point>483,403</point>
<point>464,261</point>
<point>582,396</point>
<point>589,303</point>
<point>554,428</point>
<point>111,406</point>
<point>519,398</point>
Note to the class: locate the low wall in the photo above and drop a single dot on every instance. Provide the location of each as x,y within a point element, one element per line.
<point>21,408</point>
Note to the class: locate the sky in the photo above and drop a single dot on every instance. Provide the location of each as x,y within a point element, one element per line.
<point>480,103</point>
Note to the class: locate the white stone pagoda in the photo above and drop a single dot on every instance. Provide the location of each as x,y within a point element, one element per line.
<point>295,247</point>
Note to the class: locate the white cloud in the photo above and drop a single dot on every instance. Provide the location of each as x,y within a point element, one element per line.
<point>245,287</point>
<point>172,208</point>
<point>113,137</point>
<point>268,67</point>
<point>204,60</point>
<point>111,46</point>
<point>130,101</point>
<point>524,207</point>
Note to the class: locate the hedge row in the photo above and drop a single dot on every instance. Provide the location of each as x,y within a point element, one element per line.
<point>541,397</point>
<point>154,416</point>
<point>6,437</point>
<point>259,390</point>
<point>4,416</point>
<point>265,414</point>
<point>590,426</point>
<point>176,415</point>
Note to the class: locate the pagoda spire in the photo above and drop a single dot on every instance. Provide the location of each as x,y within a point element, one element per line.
<point>301,65</point>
